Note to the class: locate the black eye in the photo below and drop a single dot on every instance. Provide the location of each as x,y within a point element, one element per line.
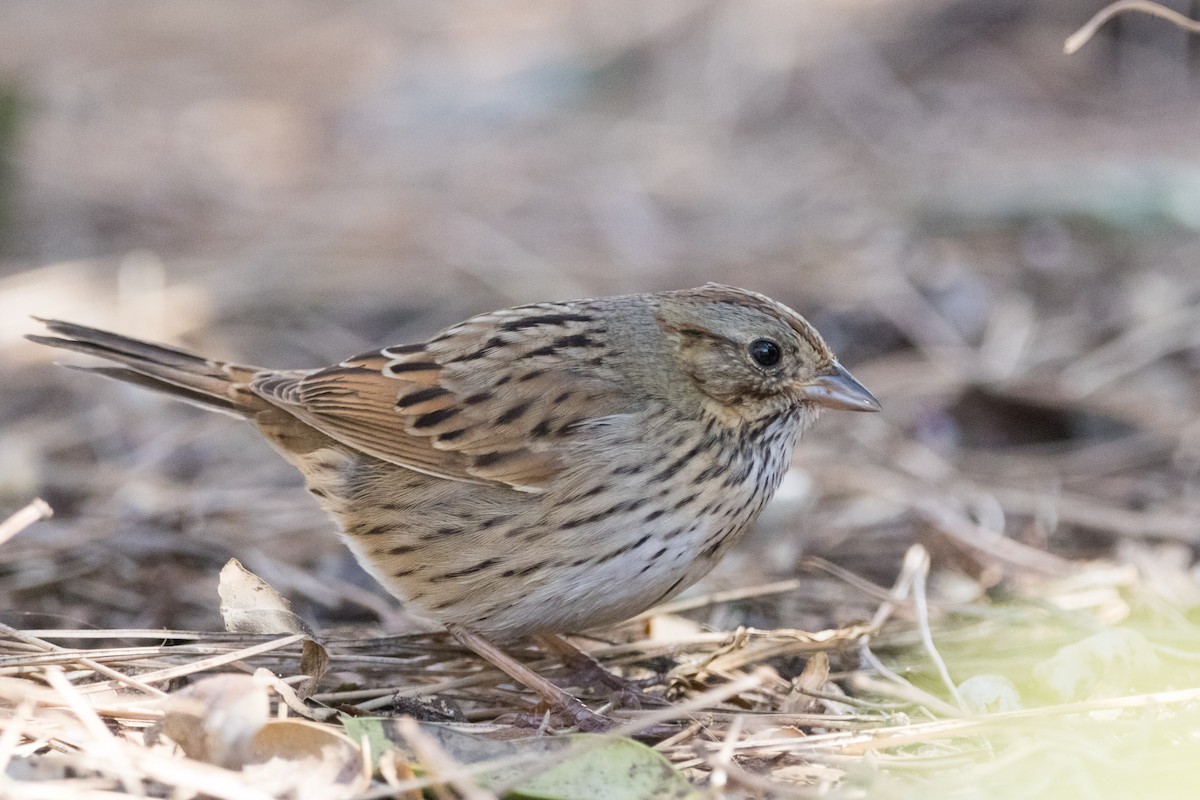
<point>765,352</point>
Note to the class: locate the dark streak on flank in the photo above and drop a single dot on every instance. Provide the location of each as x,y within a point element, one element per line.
<point>620,551</point>
<point>521,573</point>
<point>620,508</point>
<point>674,466</point>
<point>578,521</point>
<point>465,571</point>
<point>685,501</point>
<point>374,530</point>
<point>440,533</point>
<point>668,592</point>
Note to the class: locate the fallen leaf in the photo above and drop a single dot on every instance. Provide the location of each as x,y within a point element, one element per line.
<point>1104,664</point>
<point>215,719</point>
<point>603,768</point>
<point>251,605</point>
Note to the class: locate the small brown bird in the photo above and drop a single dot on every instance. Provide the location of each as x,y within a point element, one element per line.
<point>540,469</point>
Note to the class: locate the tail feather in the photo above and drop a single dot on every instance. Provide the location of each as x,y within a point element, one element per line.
<point>213,385</point>
<point>206,401</point>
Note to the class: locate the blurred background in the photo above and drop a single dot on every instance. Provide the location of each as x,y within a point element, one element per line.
<point>998,239</point>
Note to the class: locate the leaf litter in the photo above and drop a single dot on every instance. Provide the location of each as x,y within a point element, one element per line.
<point>997,594</point>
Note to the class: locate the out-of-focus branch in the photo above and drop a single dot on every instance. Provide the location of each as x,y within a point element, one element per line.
<point>1081,37</point>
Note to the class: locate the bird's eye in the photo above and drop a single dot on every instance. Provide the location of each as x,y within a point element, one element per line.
<point>765,352</point>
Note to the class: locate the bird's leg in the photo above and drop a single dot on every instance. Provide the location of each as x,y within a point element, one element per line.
<point>592,673</point>
<point>560,702</point>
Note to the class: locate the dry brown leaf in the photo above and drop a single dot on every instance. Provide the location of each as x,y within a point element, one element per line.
<point>251,605</point>
<point>800,699</point>
<point>301,759</point>
<point>225,720</point>
<point>215,719</point>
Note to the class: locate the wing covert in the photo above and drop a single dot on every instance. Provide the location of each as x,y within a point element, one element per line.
<point>490,400</point>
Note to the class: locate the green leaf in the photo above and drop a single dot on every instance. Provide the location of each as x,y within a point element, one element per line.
<point>375,729</point>
<point>619,769</point>
<point>581,767</point>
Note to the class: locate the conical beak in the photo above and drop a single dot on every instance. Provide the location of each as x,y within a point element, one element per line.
<point>837,388</point>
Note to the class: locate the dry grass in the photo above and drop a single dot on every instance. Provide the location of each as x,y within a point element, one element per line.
<point>990,590</point>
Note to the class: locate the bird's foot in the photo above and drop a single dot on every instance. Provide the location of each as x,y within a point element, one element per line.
<point>589,673</point>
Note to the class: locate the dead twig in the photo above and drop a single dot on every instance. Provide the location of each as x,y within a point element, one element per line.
<point>1082,36</point>
<point>37,510</point>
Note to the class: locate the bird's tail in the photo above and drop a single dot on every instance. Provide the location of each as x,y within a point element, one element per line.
<point>214,385</point>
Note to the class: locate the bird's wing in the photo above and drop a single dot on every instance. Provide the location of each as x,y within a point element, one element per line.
<point>490,400</point>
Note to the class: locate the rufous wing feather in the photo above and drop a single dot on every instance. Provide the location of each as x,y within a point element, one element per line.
<point>491,400</point>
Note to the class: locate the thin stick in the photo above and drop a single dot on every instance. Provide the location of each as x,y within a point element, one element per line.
<point>719,762</point>
<point>696,704</point>
<point>208,663</point>
<point>913,733</point>
<point>844,575</point>
<point>1082,36</point>
<point>541,763</point>
<point>441,765</point>
<point>36,511</point>
<point>10,735</point>
<point>95,666</point>
<point>102,737</point>
<point>921,556</point>
<point>715,598</point>
<point>909,574</point>
<point>581,715</point>
<point>686,733</point>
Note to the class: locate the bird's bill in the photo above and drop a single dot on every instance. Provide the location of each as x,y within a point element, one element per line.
<point>835,387</point>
